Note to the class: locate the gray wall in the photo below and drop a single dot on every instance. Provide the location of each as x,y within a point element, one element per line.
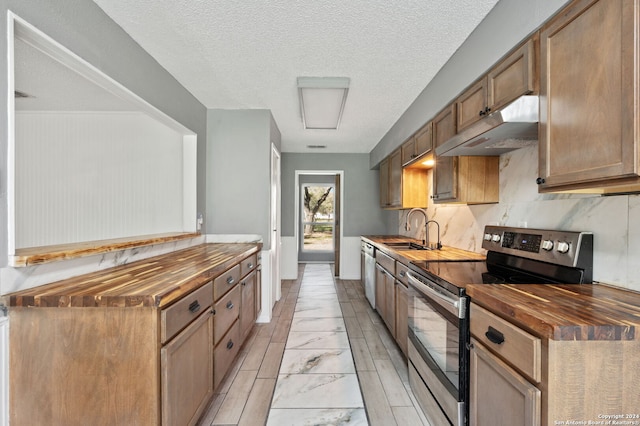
<point>508,23</point>
<point>361,208</point>
<point>83,27</point>
<point>239,171</point>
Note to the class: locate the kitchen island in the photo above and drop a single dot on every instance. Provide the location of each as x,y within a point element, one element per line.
<point>143,343</point>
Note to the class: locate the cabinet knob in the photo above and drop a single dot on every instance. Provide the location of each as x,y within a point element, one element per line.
<point>540,181</point>
<point>230,305</point>
<point>229,344</point>
<point>487,110</point>
<point>230,280</point>
<point>481,113</point>
<point>250,265</point>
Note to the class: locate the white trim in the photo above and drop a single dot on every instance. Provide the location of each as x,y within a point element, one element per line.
<point>4,371</point>
<point>296,205</point>
<point>19,28</point>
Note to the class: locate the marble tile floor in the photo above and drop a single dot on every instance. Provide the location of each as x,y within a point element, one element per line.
<point>326,358</point>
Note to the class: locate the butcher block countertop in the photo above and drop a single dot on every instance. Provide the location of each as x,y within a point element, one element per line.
<point>446,253</point>
<point>564,312</point>
<point>153,282</point>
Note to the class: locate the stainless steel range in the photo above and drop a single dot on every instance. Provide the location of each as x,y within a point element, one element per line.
<point>438,306</point>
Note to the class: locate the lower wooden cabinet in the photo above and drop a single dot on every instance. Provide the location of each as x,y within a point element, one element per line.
<point>385,297</point>
<point>248,304</point>
<point>402,316</point>
<point>131,365</point>
<point>187,372</point>
<point>499,395</point>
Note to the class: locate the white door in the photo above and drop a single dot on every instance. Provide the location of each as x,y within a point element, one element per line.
<point>275,224</point>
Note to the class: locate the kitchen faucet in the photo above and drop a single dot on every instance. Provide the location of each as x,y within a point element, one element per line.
<point>438,244</point>
<point>407,225</point>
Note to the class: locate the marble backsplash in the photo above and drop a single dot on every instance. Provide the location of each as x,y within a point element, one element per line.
<point>613,220</point>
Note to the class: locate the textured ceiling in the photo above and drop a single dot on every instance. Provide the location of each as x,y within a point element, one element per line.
<point>247,54</point>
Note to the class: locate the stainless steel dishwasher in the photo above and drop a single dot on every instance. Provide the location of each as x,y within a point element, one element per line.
<point>369,278</point>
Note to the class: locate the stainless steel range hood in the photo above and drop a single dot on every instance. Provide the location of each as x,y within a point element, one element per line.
<point>512,127</point>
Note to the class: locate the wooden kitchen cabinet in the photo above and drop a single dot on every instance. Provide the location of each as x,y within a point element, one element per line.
<point>187,372</point>
<point>498,394</point>
<point>514,76</point>
<point>248,304</point>
<point>402,316</point>
<point>588,138</point>
<point>135,344</point>
<point>401,188</point>
<point>385,297</point>
<point>464,179</point>
<point>418,144</point>
<point>539,380</point>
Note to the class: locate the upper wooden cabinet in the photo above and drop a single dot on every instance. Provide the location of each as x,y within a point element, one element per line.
<point>466,179</point>
<point>589,103</point>
<point>402,188</point>
<point>418,145</point>
<point>445,176</point>
<point>514,76</point>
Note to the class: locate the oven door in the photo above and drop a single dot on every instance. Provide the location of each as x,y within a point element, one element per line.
<point>438,336</point>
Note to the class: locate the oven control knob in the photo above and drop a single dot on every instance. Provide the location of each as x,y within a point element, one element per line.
<point>495,238</point>
<point>487,237</point>
<point>547,245</point>
<point>563,247</point>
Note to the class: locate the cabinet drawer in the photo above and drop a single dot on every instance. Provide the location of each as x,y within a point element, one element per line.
<point>225,352</point>
<point>248,265</point>
<point>226,311</point>
<point>225,281</point>
<point>401,273</point>
<point>177,316</point>
<point>386,262</point>
<point>517,347</point>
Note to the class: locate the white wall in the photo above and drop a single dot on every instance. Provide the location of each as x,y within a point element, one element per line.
<point>614,220</point>
<point>92,176</point>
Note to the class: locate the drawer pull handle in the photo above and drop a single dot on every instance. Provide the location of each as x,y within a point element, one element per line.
<point>230,344</point>
<point>230,280</point>
<point>250,265</point>
<point>402,274</point>
<point>494,336</point>
<point>230,305</point>
<point>194,307</point>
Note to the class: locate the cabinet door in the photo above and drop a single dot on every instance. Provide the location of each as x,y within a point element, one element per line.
<point>381,279</point>
<point>247,304</point>
<point>390,303</point>
<point>408,150</point>
<point>445,177</point>
<point>187,372</point>
<point>499,395</point>
<point>424,140</point>
<point>395,179</point>
<point>588,87</point>
<point>471,104</point>
<point>513,77</point>
<point>384,183</point>
<point>402,315</point>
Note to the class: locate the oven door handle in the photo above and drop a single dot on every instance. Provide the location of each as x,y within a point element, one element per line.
<point>456,306</point>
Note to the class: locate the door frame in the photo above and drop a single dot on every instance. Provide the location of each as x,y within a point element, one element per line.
<point>298,212</point>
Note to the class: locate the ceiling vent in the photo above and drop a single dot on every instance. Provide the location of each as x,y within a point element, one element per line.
<point>21,95</point>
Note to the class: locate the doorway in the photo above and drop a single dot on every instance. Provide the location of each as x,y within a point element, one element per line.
<point>318,212</point>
